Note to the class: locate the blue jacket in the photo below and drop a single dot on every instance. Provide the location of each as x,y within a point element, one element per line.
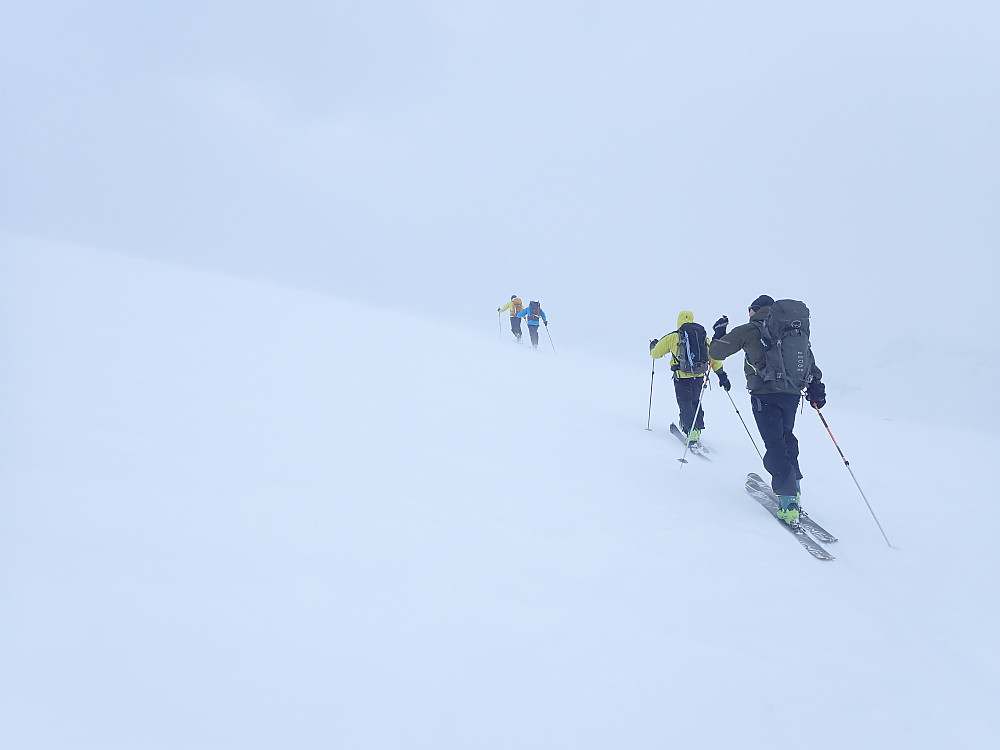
<point>527,309</point>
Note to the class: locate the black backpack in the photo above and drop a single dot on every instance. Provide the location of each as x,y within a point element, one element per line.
<point>788,358</point>
<point>534,310</point>
<point>692,350</point>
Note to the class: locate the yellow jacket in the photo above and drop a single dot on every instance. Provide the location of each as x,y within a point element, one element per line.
<point>515,306</point>
<point>668,345</point>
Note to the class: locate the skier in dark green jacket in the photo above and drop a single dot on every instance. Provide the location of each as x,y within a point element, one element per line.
<point>773,410</point>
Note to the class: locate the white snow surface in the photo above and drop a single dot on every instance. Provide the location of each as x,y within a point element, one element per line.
<point>239,515</point>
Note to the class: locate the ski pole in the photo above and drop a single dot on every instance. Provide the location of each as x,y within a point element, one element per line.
<point>550,338</point>
<point>744,425</point>
<point>500,325</point>
<point>650,415</point>
<point>697,411</point>
<point>848,465</point>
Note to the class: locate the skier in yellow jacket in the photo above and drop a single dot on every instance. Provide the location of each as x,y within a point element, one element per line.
<point>514,306</point>
<point>689,363</point>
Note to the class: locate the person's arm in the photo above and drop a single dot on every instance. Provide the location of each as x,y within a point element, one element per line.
<point>816,391</point>
<point>727,345</point>
<point>665,345</point>
<point>816,394</point>
<point>721,374</point>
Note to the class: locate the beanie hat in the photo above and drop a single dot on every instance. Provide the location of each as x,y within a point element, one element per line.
<point>762,301</point>
<point>513,296</point>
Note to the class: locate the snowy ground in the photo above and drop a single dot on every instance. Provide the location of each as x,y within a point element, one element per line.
<point>240,515</point>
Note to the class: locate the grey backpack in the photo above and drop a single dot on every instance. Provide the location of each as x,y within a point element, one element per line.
<point>692,350</point>
<point>788,359</point>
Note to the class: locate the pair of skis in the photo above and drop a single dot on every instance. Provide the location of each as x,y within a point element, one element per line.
<point>696,447</point>
<point>806,531</point>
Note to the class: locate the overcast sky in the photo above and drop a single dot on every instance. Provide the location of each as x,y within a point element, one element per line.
<point>643,156</point>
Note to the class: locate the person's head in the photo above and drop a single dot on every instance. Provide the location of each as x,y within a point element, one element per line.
<point>513,296</point>
<point>762,301</point>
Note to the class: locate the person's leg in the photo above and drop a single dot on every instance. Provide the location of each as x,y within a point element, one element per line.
<point>685,403</point>
<point>700,420</point>
<point>533,332</point>
<point>515,326</point>
<point>769,414</point>
<point>789,407</point>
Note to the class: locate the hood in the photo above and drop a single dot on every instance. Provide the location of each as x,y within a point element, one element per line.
<point>685,316</point>
<point>761,313</point>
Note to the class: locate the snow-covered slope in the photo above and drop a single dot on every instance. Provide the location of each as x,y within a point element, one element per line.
<point>239,515</point>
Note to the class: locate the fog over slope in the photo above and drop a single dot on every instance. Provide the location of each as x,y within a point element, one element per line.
<point>620,161</point>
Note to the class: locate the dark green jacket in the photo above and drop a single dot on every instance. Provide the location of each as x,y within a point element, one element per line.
<point>747,338</point>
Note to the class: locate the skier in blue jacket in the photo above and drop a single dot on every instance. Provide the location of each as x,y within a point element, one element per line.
<point>535,315</point>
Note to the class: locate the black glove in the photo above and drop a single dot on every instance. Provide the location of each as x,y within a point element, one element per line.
<point>498,309</point>
<point>653,343</point>
<point>816,393</point>
<point>546,324</point>
<point>719,327</point>
<point>724,380</point>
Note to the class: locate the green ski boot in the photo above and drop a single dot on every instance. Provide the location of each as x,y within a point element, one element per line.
<point>789,511</point>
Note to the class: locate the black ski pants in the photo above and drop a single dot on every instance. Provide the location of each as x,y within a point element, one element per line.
<point>688,391</point>
<point>775,417</point>
<point>515,326</point>
<point>533,332</point>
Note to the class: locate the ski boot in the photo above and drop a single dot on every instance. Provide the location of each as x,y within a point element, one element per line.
<point>789,510</point>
